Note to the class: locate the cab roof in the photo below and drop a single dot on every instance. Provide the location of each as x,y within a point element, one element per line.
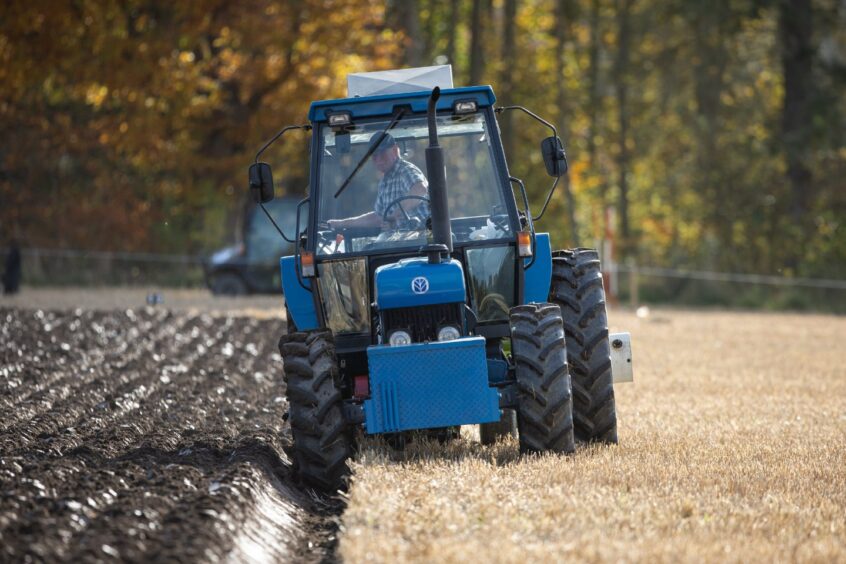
<point>368,106</point>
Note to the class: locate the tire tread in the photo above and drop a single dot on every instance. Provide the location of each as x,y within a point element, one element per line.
<point>544,397</point>
<point>322,440</point>
<point>577,287</point>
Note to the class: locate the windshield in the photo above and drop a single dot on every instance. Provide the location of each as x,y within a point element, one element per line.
<point>385,204</point>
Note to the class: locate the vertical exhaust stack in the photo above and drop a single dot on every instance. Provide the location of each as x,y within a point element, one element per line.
<point>436,172</point>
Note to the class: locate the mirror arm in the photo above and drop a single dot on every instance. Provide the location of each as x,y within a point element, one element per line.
<point>279,229</point>
<point>548,198</point>
<point>304,127</point>
<point>528,217</point>
<point>501,109</point>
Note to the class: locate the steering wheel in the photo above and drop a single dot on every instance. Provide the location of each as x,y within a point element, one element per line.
<point>500,220</point>
<point>401,199</point>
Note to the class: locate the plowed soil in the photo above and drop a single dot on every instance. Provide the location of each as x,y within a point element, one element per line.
<point>148,435</point>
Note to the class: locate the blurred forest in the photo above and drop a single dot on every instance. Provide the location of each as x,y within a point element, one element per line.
<point>715,129</point>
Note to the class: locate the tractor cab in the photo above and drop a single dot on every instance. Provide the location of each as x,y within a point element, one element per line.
<point>475,172</point>
<point>419,297</point>
<point>483,218</point>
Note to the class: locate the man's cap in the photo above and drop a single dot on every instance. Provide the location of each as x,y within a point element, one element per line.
<point>386,143</point>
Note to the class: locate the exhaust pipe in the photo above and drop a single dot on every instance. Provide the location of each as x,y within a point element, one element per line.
<point>435,170</point>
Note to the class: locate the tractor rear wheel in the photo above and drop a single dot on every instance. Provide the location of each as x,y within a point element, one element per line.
<point>322,440</point>
<point>577,289</point>
<point>489,433</point>
<point>544,400</point>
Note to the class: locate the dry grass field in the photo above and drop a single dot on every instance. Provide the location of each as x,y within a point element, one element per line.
<point>732,448</point>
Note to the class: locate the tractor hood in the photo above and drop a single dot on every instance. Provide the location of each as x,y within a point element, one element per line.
<point>415,282</point>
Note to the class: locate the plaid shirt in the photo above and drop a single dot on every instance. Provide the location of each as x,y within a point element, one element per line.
<point>397,182</point>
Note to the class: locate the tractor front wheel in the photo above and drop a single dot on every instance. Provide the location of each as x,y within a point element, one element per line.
<point>544,400</point>
<point>322,441</point>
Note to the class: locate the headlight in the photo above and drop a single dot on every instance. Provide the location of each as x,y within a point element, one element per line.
<point>464,107</point>
<point>448,333</point>
<point>339,119</point>
<point>399,338</point>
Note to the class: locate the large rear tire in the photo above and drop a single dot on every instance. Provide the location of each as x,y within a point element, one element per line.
<point>322,440</point>
<point>544,400</point>
<point>577,289</point>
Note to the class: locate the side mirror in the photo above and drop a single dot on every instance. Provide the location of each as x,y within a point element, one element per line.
<point>553,156</point>
<point>261,182</point>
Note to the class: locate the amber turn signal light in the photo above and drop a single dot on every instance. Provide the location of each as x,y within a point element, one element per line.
<point>307,264</point>
<point>524,244</point>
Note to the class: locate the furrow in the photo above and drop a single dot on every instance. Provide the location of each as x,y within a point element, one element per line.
<point>110,379</point>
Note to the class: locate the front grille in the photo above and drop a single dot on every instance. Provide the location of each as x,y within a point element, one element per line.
<point>422,322</point>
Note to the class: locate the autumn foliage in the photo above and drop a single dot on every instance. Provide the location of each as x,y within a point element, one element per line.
<point>716,130</point>
<point>128,125</point>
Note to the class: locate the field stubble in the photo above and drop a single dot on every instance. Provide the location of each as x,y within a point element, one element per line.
<point>732,448</point>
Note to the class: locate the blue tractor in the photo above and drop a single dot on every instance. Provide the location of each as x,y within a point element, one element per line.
<point>443,307</point>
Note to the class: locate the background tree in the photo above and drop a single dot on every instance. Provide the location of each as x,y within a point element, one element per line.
<point>717,130</point>
<point>141,115</point>
<point>797,60</point>
<point>564,16</point>
<point>621,71</point>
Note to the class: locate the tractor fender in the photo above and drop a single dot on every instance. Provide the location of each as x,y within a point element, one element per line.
<point>298,299</point>
<point>538,277</point>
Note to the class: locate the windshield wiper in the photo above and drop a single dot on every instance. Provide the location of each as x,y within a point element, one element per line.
<point>370,151</point>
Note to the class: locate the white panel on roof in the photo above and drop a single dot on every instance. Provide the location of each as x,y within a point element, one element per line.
<point>398,81</point>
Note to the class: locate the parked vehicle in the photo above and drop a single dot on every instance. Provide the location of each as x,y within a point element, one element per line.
<point>252,266</point>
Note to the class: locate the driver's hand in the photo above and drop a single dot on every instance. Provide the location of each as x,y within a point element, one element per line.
<point>389,223</point>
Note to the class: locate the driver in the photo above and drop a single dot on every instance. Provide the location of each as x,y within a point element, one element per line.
<point>399,178</point>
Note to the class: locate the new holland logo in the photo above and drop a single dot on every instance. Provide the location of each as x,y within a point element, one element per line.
<point>420,285</point>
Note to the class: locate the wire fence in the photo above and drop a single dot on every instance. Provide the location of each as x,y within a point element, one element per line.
<point>633,284</point>
<point>72,267</point>
<point>733,277</point>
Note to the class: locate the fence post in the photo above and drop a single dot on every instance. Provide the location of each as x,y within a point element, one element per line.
<point>634,289</point>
